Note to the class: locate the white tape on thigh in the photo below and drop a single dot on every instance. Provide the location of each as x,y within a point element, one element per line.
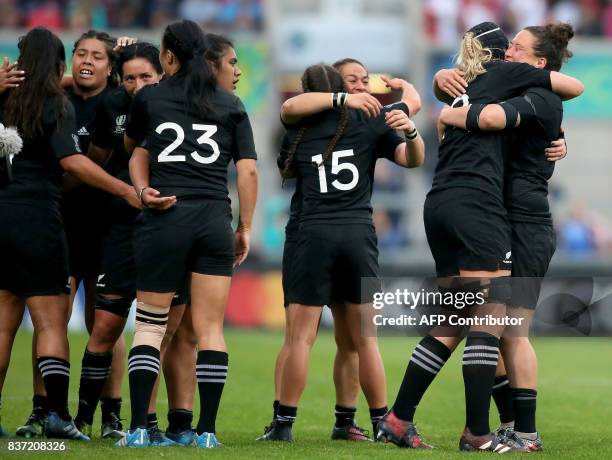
<point>150,324</point>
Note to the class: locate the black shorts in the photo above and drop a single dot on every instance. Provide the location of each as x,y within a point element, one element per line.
<point>344,256</point>
<point>467,230</point>
<point>189,237</point>
<point>85,221</point>
<point>34,252</point>
<point>288,258</point>
<point>533,245</point>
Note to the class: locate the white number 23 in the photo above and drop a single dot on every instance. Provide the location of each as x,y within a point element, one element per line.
<point>206,138</point>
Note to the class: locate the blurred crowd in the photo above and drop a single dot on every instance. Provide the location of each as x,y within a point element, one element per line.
<point>447,19</point>
<point>226,15</point>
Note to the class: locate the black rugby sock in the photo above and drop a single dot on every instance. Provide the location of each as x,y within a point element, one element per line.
<point>211,372</point>
<point>179,420</point>
<point>345,416</point>
<point>286,415</point>
<point>502,395</point>
<point>143,369</point>
<point>56,377</point>
<point>110,406</point>
<point>479,364</point>
<point>376,416</point>
<point>95,369</point>
<point>525,409</point>
<point>426,361</point>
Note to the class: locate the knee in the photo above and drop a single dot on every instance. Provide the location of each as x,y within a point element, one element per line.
<point>119,306</point>
<point>150,325</point>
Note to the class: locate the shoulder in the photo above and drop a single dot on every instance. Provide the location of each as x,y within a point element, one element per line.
<point>545,96</point>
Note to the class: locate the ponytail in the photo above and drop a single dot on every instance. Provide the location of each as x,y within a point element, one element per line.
<point>188,43</point>
<point>472,57</point>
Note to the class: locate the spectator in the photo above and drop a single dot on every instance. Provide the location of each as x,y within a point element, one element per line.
<point>441,20</point>
<point>387,231</point>
<point>590,23</point>
<point>9,14</point>
<point>607,20</point>
<point>522,13</point>
<point>46,13</point>
<point>576,234</point>
<point>204,13</point>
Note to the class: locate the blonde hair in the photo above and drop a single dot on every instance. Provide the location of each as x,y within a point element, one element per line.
<point>472,57</point>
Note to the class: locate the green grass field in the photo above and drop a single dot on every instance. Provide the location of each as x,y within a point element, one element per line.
<point>574,410</point>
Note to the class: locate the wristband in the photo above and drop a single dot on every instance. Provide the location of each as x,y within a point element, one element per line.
<point>339,99</point>
<point>471,122</point>
<point>140,195</point>
<point>243,227</point>
<point>412,135</point>
<point>511,114</point>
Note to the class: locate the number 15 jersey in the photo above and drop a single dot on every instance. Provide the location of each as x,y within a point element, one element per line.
<point>339,190</point>
<point>189,154</point>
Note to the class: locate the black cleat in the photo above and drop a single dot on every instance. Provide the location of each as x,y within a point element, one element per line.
<point>350,433</point>
<point>400,432</point>
<point>513,439</point>
<point>56,427</point>
<point>34,425</point>
<point>112,427</point>
<point>277,432</point>
<point>488,442</point>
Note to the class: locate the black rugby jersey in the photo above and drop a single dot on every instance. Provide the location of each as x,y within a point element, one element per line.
<point>476,159</point>
<point>86,111</point>
<point>109,128</point>
<point>37,173</point>
<point>528,170</point>
<point>189,154</point>
<point>340,190</point>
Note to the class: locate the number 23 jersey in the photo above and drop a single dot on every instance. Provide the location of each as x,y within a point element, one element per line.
<point>189,154</point>
<point>340,190</point>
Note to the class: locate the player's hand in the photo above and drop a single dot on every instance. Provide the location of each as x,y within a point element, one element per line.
<point>451,81</point>
<point>557,150</point>
<point>122,42</point>
<point>151,199</point>
<point>364,102</point>
<point>397,119</point>
<point>242,244</point>
<point>394,84</point>
<point>131,197</point>
<point>9,77</point>
<point>441,128</point>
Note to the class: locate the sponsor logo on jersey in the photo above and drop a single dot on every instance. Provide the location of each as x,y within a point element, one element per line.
<point>508,257</point>
<point>83,131</point>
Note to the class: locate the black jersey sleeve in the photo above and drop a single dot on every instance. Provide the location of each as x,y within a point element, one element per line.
<point>540,106</point>
<point>103,136</point>
<point>518,76</point>
<point>64,140</point>
<point>388,138</point>
<point>244,144</point>
<point>136,126</point>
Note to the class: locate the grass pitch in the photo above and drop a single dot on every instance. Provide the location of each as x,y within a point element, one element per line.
<point>574,410</point>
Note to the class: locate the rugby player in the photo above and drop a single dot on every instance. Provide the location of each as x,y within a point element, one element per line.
<point>341,261</point>
<point>538,122</point>
<point>469,235</point>
<point>183,132</point>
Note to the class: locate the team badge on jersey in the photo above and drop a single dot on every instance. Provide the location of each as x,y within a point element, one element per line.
<point>120,124</point>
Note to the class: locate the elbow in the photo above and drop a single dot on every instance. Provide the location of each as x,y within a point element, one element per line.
<point>579,89</point>
<point>71,164</point>
<point>287,110</point>
<point>487,121</point>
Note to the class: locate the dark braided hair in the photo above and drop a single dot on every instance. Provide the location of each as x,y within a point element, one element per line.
<point>324,79</point>
<point>188,43</point>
